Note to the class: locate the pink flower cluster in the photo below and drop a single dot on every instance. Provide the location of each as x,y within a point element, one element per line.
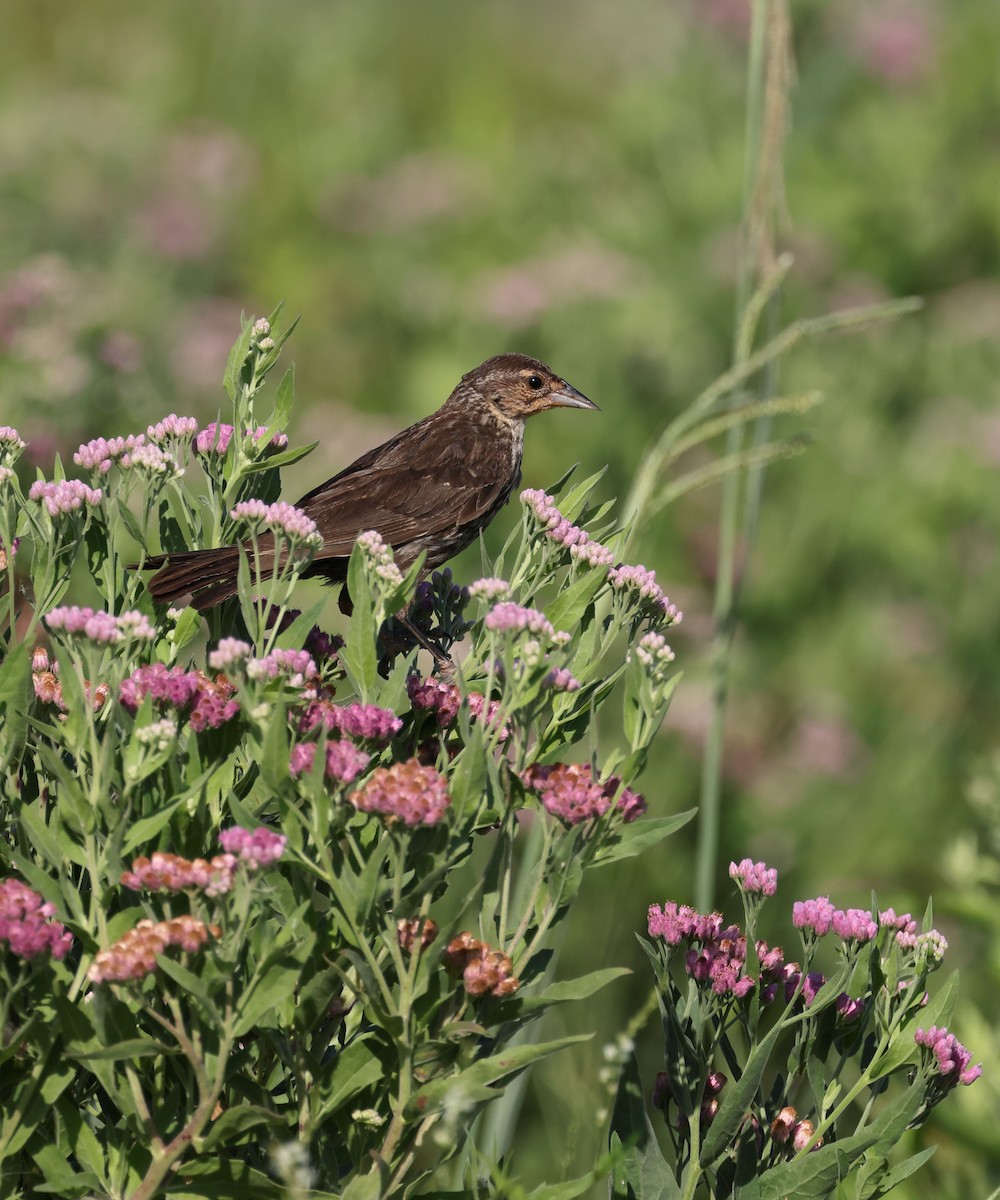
<point>64,497</point>
<point>379,556</point>
<point>406,791</point>
<point>490,590</point>
<point>11,440</point>
<point>508,617</point>
<point>101,454</point>
<point>255,848</point>
<point>283,519</point>
<point>443,700</point>
<point>99,626</point>
<point>786,1127</point>
<point>208,701</point>
<point>26,923</point>
<point>570,792</point>
<point>716,954</point>
<point>819,916</point>
<point>366,722</point>
<point>642,582</point>
<point>484,970</point>
<point>562,531</point>
<point>950,1056</point>
<point>172,428</point>
<point>754,877</point>
<point>133,956</point>
<point>164,872</point>
<point>344,761</point>
<point>216,436</point>
<point>294,666</point>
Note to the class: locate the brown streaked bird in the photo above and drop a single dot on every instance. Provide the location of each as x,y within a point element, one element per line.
<point>431,488</point>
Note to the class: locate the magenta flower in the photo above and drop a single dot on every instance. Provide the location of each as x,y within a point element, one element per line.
<point>407,792</point>
<point>214,439</point>
<point>26,924</point>
<point>369,723</point>
<point>254,848</point>
<point>754,877</point>
<point>64,497</point>
<point>209,702</point>
<point>854,925</point>
<point>570,792</point>
<point>813,916</point>
<point>344,761</point>
<point>950,1057</point>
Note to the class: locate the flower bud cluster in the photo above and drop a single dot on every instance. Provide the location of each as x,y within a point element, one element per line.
<point>508,617</point>
<point>133,956</point>
<point>416,934</point>
<point>64,497</point>
<point>559,529</point>
<point>132,452</point>
<point>787,1128</point>
<point>491,589</point>
<point>407,791</point>
<point>11,444</point>
<point>442,701</point>
<point>284,520</point>
<point>379,558</point>
<point>754,877</point>
<point>366,722</point>
<point>344,761</point>
<point>950,1058</point>
<point>570,792</point>
<point>100,627</point>
<point>172,428</point>
<point>214,439</point>
<point>26,924</point>
<point>207,702</point>
<point>483,969</point>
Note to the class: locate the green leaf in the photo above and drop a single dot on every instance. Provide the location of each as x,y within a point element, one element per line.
<point>226,1128</point>
<point>633,839</point>
<point>134,1048</point>
<point>283,458</point>
<point>641,1172</point>
<point>484,1080</point>
<point>566,611</point>
<point>885,1182</point>
<point>15,688</point>
<point>559,993</point>
<point>359,653</point>
<point>231,380</point>
<point>738,1097</point>
<point>903,1049</point>
<point>354,1070</point>
<point>186,628</point>
<point>284,400</point>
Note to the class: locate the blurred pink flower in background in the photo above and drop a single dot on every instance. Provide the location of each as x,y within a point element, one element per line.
<point>894,41</point>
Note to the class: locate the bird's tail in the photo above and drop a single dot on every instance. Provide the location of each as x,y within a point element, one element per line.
<point>201,578</point>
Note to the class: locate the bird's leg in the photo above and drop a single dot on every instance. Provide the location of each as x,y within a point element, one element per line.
<point>400,634</point>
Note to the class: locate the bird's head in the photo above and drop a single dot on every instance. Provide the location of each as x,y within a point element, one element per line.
<point>519,386</point>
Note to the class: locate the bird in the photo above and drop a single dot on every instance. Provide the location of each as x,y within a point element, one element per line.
<point>430,489</point>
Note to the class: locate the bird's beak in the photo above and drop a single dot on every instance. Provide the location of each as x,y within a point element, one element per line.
<point>569,397</point>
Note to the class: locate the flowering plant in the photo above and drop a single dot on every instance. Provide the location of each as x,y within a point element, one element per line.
<point>777,1077</point>
<point>278,904</point>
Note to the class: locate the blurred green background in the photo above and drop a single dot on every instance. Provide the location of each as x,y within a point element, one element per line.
<point>432,183</point>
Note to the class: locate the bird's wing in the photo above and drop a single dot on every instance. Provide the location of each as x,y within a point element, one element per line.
<point>430,482</point>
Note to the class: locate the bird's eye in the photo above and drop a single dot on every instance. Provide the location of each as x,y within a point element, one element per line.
<point>534,382</point>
